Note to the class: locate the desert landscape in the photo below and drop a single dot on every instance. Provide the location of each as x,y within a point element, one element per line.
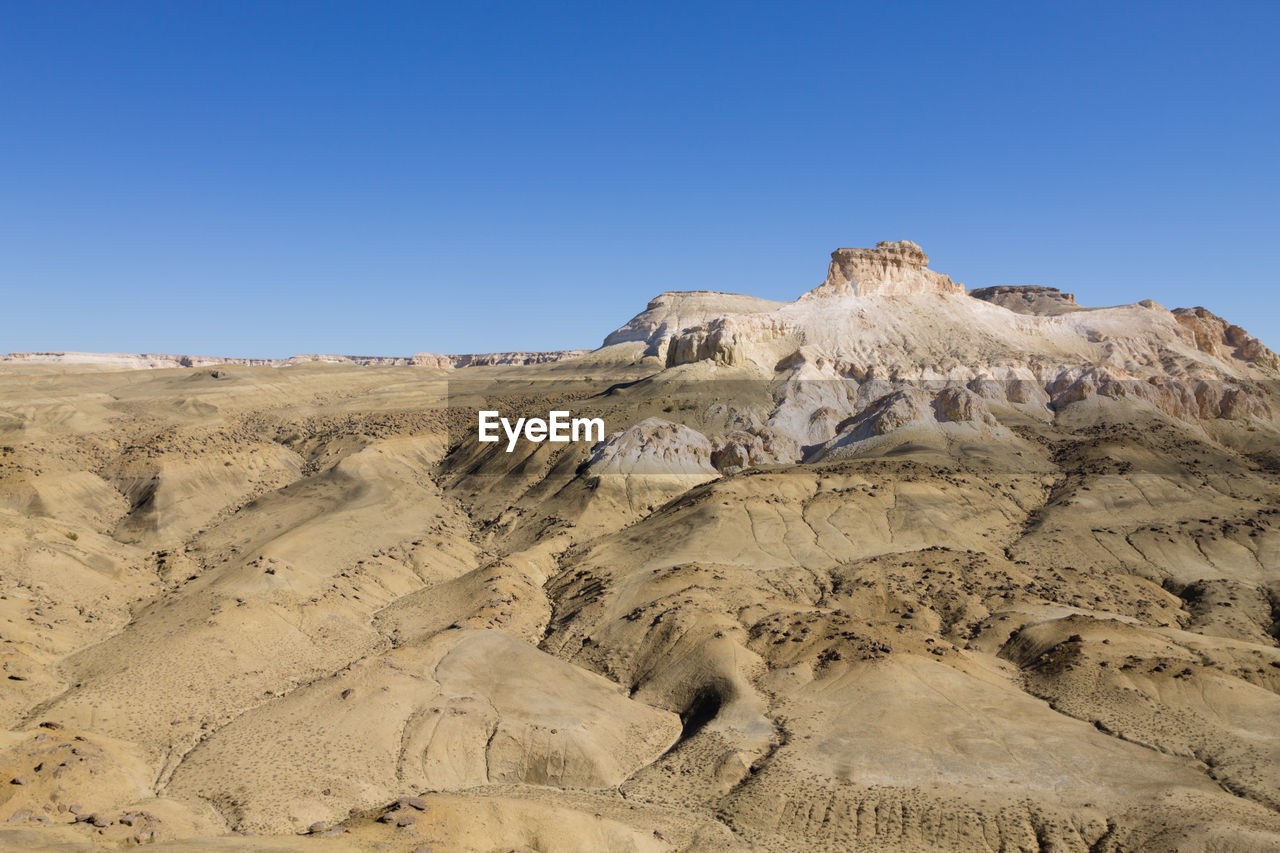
<point>897,566</point>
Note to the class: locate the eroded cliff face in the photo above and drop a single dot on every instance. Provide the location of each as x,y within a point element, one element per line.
<point>670,312</point>
<point>1224,340</point>
<point>890,269</point>
<point>884,328</point>
<point>881,312</point>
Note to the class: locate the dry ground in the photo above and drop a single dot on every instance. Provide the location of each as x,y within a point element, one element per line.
<point>294,609</point>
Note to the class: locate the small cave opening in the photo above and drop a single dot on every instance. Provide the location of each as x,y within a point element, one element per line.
<point>702,709</point>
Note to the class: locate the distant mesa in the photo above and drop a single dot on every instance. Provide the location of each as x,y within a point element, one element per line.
<point>1029,299</point>
<point>493,359</point>
<point>880,313</point>
<point>156,361</point>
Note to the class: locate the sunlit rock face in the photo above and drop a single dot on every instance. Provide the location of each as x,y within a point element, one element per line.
<point>892,268</point>
<point>670,312</point>
<point>1221,339</point>
<point>654,446</point>
<point>883,317</point>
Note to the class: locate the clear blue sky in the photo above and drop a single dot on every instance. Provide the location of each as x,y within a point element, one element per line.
<point>268,178</point>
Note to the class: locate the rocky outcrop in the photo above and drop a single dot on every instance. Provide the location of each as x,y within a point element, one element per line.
<point>890,269</point>
<point>758,446</point>
<point>894,411</point>
<point>673,311</point>
<point>960,405</point>
<point>932,418</point>
<point>1029,299</point>
<point>735,339</point>
<point>654,446</point>
<point>1013,391</point>
<point>1186,400</point>
<point>1218,338</point>
<point>912,354</point>
<point>903,326</point>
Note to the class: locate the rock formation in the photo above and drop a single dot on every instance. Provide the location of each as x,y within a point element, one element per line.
<point>890,269</point>
<point>1028,299</point>
<point>670,312</point>
<point>1217,337</point>
<point>899,321</point>
<point>654,447</point>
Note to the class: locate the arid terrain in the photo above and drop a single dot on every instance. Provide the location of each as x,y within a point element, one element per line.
<point>894,566</point>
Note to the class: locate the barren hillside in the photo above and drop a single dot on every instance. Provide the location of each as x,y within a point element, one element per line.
<point>894,566</point>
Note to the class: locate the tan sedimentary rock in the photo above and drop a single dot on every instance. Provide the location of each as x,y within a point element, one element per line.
<point>890,269</point>
<point>1029,299</point>
<point>670,312</point>
<point>654,446</point>
<point>492,359</point>
<point>765,445</point>
<point>882,315</point>
<point>729,340</point>
<point>1221,339</point>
